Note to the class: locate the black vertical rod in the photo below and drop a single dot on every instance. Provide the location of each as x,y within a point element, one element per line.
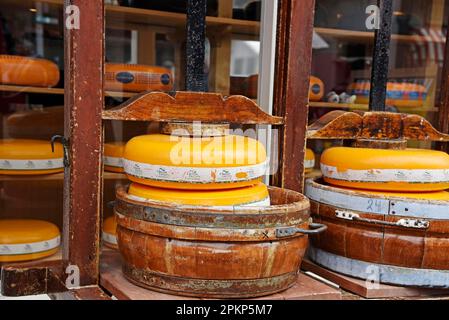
<point>379,71</point>
<point>195,47</point>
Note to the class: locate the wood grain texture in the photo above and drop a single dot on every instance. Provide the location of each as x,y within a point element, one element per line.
<point>84,65</point>
<point>240,256</point>
<point>374,125</point>
<point>113,280</point>
<point>291,94</point>
<point>443,100</point>
<point>189,107</point>
<point>361,287</point>
<point>425,248</point>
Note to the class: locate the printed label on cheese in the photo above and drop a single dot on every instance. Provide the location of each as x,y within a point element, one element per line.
<point>262,203</point>
<point>309,164</point>
<point>41,164</point>
<point>387,175</point>
<point>109,238</point>
<point>28,248</point>
<point>113,161</point>
<point>195,174</point>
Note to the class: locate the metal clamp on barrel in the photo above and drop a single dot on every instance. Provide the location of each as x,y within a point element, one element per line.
<point>315,228</point>
<point>407,223</point>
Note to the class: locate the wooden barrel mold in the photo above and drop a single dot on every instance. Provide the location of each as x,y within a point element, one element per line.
<point>204,252</point>
<point>398,239</point>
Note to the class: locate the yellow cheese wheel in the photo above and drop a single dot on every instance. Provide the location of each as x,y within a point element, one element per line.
<point>113,156</point>
<point>25,71</point>
<point>137,78</point>
<point>109,234</point>
<point>309,161</point>
<point>256,195</point>
<point>22,240</point>
<point>383,169</point>
<point>316,89</point>
<point>27,157</point>
<point>195,163</point>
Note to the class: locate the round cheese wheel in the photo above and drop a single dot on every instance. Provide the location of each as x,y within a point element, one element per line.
<point>38,124</point>
<point>256,195</point>
<point>25,71</point>
<point>309,161</point>
<point>109,234</point>
<point>383,169</point>
<point>27,157</point>
<point>195,163</point>
<point>137,78</point>
<point>316,89</point>
<point>113,156</point>
<point>22,240</point>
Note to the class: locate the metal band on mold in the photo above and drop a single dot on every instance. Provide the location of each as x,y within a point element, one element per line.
<point>350,200</point>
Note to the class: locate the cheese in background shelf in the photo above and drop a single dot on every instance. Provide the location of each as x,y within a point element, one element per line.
<point>309,160</point>
<point>137,78</point>
<point>29,157</point>
<point>113,156</point>
<point>400,94</point>
<point>26,71</point>
<point>109,234</point>
<point>23,240</point>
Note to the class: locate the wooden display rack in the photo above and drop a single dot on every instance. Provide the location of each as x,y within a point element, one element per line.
<point>83,178</point>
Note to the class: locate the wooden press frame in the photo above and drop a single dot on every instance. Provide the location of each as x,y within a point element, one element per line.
<point>84,103</point>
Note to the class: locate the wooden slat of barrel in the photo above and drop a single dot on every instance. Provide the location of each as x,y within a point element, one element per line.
<point>193,257</point>
<point>388,245</point>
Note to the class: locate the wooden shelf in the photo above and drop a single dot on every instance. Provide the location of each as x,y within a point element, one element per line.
<point>129,16</point>
<point>364,36</point>
<point>56,177</point>
<point>58,91</point>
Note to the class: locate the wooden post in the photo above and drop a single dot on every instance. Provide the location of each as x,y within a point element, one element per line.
<point>443,103</point>
<point>294,55</point>
<point>84,56</point>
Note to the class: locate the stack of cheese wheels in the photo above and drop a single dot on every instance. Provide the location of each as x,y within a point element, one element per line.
<point>113,156</point>
<point>30,157</point>
<point>22,240</point>
<point>221,162</point>
<point>409,170</point>
<point>109,234</point>
<point>137,78</point>
<point>25,71</point>
<point>386,210</point>
<point>400,94</point>
<point>309,161</point>
<point>222,171</point>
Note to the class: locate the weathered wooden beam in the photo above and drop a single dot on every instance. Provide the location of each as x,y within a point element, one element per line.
<point>191,106</point>
<point>84,56</point>
<point>294,57</point>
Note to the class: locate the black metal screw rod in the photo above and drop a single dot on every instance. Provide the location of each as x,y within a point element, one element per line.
<point>195,47</point>
<point>379,71</point>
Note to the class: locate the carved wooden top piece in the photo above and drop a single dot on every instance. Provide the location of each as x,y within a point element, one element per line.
<point>374,125</point>
<point>189,107</point>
